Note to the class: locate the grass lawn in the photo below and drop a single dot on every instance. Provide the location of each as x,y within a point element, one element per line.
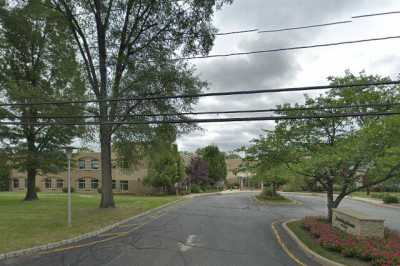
<point>305,237</point>
<point>375,195</point>
<point>27,224</point>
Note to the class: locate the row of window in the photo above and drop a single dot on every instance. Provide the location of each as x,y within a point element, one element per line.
<point>94,184</point>
<point>94,164</point>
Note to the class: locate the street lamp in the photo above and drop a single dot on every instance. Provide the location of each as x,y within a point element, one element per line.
<point>68,152</point>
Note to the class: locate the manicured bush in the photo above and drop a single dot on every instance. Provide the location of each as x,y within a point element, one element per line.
<point>389,199</point>
<point>37,189</point>
<point>65,190</point>
<point>195,189</point>
<point>267,192</point>
<point>377,251</point>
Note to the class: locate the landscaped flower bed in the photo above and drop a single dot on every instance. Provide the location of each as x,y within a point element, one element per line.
<point>384,252</point>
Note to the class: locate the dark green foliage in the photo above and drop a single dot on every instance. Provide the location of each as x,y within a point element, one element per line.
<point>65,190</point>
<point>166,167</point>
<point>217,169</point>
<point>390,199</point>
<point>4,179</point>
<point>269,193</point>
<point>194,188</point>
<point>37,63</point>
<point>340,154</point>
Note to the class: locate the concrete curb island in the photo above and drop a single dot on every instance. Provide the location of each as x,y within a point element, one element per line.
<point>309,253</point>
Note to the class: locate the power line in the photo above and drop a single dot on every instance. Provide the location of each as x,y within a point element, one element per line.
<point>377,14</point>
<point>228,93</point>
<point>307,27</point>
<point>324,108</point>
<point>235,32</point>
<point>235,119</point>
<point>289,48</point>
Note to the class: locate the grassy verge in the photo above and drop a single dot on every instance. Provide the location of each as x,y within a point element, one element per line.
<point>374,195</point>
<point>27,224</point>
<point>305,237</point>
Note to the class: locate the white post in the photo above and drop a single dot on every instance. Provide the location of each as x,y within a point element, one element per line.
<point>69,193</point>
<point>68,151</point>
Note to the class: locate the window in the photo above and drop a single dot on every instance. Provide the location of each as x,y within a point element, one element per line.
<point>114,184</point>
<point>95,164</point>
<point>16,183</point>
<point>81,183</point>
<point>47,183</point>
<point>82,164</point>
<point>123,185</point>
<point>94,183</point>
<point>60,183</point>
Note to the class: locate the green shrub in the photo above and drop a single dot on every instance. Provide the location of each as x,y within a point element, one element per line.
<point>37,189</point>
<point>195,189</point>
<point>267,193</point>
<point>99,190</point>
<point>65,190</point>
<point>389,199</point>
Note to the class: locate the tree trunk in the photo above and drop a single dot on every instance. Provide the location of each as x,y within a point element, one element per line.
<point>273,189</point>
<point>330,202</point>
<point>31,186</point>
<point>31,169</point>
<point>107,198</point>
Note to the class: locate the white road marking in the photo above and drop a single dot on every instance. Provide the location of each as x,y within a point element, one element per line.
<point>188,244</point>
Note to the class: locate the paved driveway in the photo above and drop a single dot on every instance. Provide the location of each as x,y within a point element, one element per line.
<point>214,230</point>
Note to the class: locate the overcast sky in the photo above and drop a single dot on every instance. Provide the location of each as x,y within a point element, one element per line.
<point>294,68</point>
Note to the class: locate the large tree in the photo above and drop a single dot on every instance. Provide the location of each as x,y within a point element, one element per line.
<point>37,63</point>
<point>5,170</point>
<point>338,152</point>
<point>128,48</point>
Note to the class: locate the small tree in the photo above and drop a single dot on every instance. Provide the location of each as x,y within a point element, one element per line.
<point>217,169</point>
<point>197,171</point>
<point>165,163</point>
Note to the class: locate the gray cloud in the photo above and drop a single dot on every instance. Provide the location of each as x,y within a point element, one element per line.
<point>250,72</point>
<point>272,70</point>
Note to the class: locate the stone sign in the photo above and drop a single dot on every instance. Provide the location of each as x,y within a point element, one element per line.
<point>357,223</point>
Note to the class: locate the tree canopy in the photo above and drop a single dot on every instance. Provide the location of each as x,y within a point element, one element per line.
<point>337,153</point>
<point>128,49</point>
<point>217,168</point>
<point>37,63</point>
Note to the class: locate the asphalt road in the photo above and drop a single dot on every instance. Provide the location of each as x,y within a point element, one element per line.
<point>219,230</point>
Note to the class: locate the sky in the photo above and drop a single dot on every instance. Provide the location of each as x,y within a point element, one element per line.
<point>285,69</point>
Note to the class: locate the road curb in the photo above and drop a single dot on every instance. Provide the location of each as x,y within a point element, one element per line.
<point>311,254</point>
<point>375,203</point>
<point>45,247</point>
<point>283,246</point>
